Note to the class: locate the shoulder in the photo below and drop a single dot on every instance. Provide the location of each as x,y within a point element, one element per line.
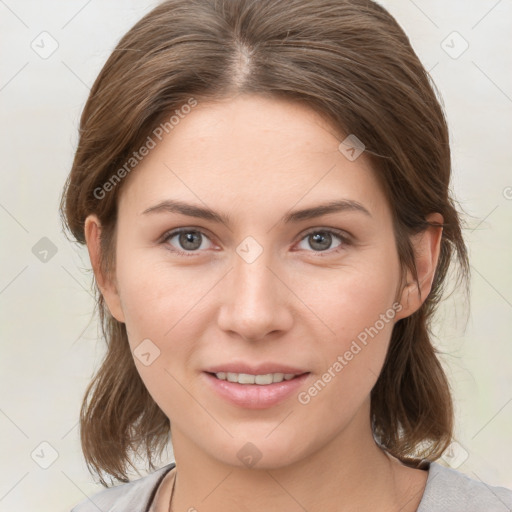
<point>123,498</point>
<point>452,491</point>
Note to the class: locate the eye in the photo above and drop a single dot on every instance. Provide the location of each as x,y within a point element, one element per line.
<point>188,241</point>
<point>320,240</point>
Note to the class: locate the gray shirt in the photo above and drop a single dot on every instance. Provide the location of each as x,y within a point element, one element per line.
<point>446,490</point>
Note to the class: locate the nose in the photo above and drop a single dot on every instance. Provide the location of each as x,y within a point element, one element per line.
<point>255,303</point>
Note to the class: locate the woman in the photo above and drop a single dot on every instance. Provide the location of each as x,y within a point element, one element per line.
<point>263,188</point>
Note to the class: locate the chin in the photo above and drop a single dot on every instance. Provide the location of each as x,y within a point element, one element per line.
<point>258,450</point>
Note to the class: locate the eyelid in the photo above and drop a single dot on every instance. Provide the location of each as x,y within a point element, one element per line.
<point>344,235</point>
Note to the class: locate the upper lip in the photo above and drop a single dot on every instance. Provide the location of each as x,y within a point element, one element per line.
<point>252,369</point>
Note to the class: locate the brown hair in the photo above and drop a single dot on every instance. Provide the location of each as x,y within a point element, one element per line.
<point>351,62</point>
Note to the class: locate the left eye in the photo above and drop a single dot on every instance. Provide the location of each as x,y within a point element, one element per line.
<point>321,240</point>
<point>189,240</point>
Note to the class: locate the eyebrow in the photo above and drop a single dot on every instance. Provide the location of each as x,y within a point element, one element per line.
<point>173,206</point>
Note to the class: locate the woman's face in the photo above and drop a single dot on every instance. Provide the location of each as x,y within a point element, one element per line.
<point>260,281</point>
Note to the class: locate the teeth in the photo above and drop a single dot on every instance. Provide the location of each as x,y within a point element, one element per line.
<point>262,380</point>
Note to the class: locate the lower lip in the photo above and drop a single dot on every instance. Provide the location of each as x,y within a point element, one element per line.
<point>255,396</point>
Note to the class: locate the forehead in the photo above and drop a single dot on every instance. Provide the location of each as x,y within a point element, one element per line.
<point>250,154</point>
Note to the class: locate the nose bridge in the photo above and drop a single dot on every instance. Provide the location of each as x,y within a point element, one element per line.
<point>252,281</point>
<point>253,302</point>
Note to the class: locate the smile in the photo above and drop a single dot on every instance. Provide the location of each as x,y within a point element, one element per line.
<point>262,380</point>
<point>254,391</point>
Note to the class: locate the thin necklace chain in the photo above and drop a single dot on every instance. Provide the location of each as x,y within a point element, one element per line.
<point>172,492</point>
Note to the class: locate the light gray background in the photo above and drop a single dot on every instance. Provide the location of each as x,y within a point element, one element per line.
<point>49,342</point>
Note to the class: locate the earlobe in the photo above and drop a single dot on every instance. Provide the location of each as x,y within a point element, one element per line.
<point>106,284</point>
<point>427,246</point>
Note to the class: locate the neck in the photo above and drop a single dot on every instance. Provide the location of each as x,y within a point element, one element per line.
<point>350,473</point>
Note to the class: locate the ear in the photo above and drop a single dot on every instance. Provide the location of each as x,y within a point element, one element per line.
<point>426,245</point>
<point>106,284</point>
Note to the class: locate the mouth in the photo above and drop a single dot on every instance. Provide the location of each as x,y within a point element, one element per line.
<point>259,379</point>
<point>255,390</point>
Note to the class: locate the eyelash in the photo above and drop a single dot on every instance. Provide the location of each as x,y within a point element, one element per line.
<point>343,237</point>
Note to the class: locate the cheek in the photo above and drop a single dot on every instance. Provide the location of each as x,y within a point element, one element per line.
<point>159,299</point>
<point>352,298</point>
<point>164,309</point>
<point>161,320</point>
<point>358,305</point>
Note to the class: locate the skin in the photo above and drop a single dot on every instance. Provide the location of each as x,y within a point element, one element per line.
<point>255,159</point>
